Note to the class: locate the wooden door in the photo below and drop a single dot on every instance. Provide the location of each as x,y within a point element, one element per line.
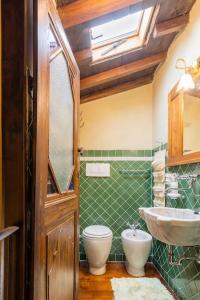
<point>56,177</point>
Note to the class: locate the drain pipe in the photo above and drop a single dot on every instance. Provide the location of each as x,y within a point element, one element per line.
<point>178,261</point>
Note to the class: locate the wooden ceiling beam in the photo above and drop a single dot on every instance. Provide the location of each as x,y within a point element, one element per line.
<point>163,28</point>
<point>81,11</point>
<point>117,89</point>
<point>122,71</point>
<point>170,26</point>
<point>83,56</point>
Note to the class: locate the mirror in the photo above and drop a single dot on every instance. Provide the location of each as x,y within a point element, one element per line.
<point>184,125</point>
<point>191,124</point>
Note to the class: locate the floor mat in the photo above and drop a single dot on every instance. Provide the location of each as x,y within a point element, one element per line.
<point>139,289</point>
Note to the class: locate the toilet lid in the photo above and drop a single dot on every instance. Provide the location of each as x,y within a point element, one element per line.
<point>97,231</point>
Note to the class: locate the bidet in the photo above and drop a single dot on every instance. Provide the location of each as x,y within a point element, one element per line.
<point>137,247</point>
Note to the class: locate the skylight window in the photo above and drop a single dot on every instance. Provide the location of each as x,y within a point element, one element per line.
<point>118,36</point>
<point>123,27</point>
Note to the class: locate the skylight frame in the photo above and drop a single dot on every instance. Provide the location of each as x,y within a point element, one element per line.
<point>132,43</point>
<point>120,37</point>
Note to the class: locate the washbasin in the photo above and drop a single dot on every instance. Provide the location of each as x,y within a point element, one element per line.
<point>173,226</point>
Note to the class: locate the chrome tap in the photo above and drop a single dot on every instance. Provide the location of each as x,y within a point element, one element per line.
<point>134,227</point>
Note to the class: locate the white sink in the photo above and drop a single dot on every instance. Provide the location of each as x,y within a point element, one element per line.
<point>179,227</point>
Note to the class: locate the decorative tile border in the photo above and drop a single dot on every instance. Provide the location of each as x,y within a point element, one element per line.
<point>117,153</point>
<point>163,146</point>
<point>115,158</point>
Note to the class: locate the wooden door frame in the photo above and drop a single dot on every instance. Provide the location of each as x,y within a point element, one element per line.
<point>16,189</point>
<point>14,136</point>
<point>1,192</point>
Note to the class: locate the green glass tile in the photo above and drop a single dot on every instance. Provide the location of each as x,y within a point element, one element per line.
<point>90,153</point>
<point>125,153</point>
<point>141,153</point>
<point>148,153</point>
<point>111,257</point>
<point>119,257</point>
<point>97,153</point>
<point>82,256</point>
<point>112,153</point>
<point>134,153</point>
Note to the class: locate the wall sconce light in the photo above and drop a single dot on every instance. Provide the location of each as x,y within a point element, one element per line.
<point>187,80</point>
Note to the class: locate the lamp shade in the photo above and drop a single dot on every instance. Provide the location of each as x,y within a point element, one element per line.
<point>186,82</point>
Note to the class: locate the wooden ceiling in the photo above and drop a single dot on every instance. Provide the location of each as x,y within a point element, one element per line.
<point>134,68</point>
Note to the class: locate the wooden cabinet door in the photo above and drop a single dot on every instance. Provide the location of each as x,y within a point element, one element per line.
<point>56,178</point>
<point>60,261</point>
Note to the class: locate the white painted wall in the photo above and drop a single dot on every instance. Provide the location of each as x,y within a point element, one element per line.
<point>122,121</point>
<point>187,46</point>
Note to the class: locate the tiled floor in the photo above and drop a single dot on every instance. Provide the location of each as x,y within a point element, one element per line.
<point>99,287</point>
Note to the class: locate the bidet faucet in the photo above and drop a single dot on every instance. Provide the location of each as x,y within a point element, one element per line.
<point>134,227</point>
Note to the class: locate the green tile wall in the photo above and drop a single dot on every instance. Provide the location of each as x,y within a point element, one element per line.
<point>184,279</point>
<point>115,200</point>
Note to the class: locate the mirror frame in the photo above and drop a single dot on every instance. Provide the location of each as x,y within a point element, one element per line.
<point>175,131</point>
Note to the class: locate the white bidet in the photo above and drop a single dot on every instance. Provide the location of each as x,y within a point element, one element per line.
<point>137,247</point>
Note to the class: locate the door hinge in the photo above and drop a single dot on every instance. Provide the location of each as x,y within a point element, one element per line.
<point>30,97</point>
<point>28,220</point>
<point>30,84</point>
<point>29,79</point>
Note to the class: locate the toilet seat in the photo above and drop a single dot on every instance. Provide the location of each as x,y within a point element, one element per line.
<point>97,231</point>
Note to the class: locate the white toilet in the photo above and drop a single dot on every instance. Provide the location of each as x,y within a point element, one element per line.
<point>137,249</point>
<point>97,240</point>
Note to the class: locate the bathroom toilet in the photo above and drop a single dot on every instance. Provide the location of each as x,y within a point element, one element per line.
<point>97,240</point>
<point>137,249</point>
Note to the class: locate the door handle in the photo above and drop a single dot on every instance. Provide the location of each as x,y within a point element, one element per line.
<point>80,150</point>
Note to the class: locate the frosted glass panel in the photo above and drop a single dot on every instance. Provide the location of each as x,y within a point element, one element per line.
<point>61,121</point>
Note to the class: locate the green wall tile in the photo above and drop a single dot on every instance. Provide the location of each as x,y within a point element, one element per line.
<point>114,201</point>
<point>183,279</point>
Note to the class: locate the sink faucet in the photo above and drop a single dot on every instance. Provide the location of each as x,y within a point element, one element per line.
<point>134,227</point>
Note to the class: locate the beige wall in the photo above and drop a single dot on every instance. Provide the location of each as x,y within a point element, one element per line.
<point>124,121</point>
<point>121,121</point>
<point>187,46</point>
